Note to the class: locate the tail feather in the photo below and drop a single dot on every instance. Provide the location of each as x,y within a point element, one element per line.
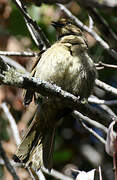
<point>36,148</point>
<point>48,148</point>
<point>42,154</point>
<point>23,150</point>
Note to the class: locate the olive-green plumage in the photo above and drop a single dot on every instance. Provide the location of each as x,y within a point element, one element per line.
<point>66,64</point>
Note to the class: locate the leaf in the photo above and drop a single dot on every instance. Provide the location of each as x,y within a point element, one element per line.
<point>86,175</point>
<point>110,140</point>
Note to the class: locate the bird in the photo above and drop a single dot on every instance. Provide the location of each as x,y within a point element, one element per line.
<point>67,64</point>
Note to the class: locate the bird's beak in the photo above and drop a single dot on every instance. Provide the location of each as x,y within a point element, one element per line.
<point>56,24</point>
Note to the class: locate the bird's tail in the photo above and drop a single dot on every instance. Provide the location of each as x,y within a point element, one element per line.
<point>36,148</point>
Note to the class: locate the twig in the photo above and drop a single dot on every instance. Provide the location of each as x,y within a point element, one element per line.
<point>100,173</point>
<point>33,24</point>
<point>7,163</point>
<point>103,25</point>
<point>40,174</point>
<point>108,110</point>
<point>94,133</point>
<point>98,114</point>
<point>35,36</point>
<point>104,44</point>
<point>106,65</point>
<point>56,174</point>
<point>78,115</point>
<point>105,107</point>
<point>106,87</point>
<point>22,54</point>
<point>93,99</point>
<point>12,123</point>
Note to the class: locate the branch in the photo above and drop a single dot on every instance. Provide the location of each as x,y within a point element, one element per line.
<point>8,164</point>
<point>104,44</point>
<point>13,78</point>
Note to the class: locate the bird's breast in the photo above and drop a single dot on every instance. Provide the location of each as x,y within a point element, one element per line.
<point>60,66</point>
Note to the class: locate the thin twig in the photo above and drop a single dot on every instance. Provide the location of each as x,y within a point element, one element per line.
<point>33,24</point>
<point>100,173</point>
<point>93,133</point>
<point>106,65</point>
<point>8,164</point>
<point>93,99</point>
<point>103,25</point>
<point>106,87</point>
<point>12,123</point>
<point>22,54</point>
<point>104,44</point>
<point>78,115</point>
<point>105,107</point>
<point>35,36</point>
<point>108,110</point>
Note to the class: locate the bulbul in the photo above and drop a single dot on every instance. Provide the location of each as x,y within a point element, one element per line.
<point>66,64</point>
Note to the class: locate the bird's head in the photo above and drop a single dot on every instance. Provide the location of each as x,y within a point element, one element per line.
<point>65,27</point>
